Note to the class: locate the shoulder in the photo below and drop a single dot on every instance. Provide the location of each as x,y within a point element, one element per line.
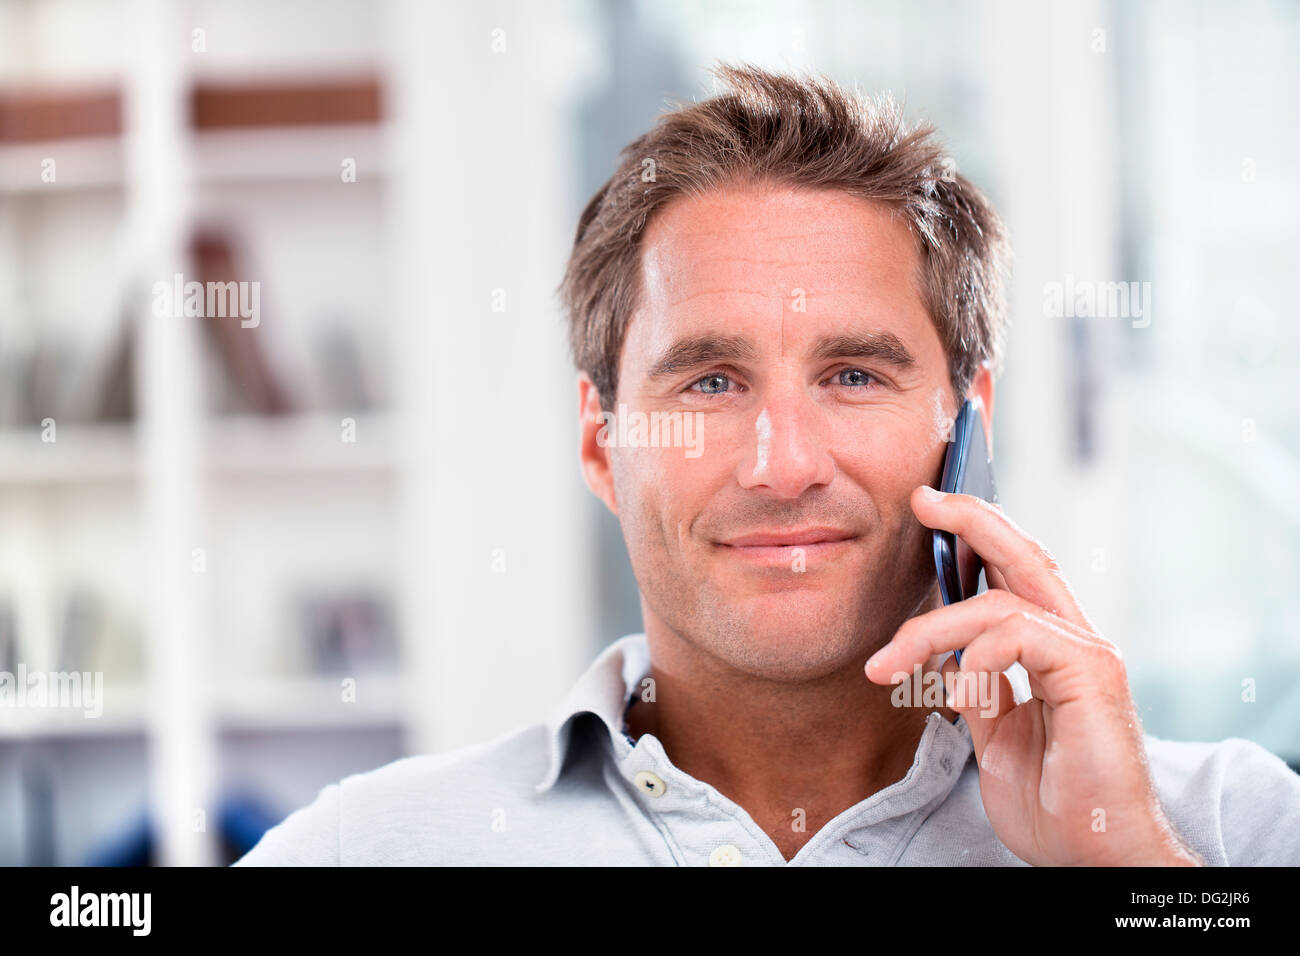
<point>1235,802</point>
<point>378,816</point>
<point>512,762</point>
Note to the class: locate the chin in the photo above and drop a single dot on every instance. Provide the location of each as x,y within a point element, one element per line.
<point>802,610</point>
<point>792,634</point>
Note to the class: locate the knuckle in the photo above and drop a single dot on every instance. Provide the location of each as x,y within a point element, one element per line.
<point>903,635</point>
<point>1002,600</point>
<point>1110,654</point>
<point>1045,558</point>
<point>1106,665</point>
<point>1013,620</point>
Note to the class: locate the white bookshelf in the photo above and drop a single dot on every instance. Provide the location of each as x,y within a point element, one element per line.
<point>412,509</point>
<point>180,469</point>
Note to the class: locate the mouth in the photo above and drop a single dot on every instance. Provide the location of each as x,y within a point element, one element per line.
<point>784,548</point>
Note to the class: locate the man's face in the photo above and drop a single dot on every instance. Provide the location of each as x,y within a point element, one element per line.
<point>791,321</point>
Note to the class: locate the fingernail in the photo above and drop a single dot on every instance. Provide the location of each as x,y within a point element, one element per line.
<point>933,494</point>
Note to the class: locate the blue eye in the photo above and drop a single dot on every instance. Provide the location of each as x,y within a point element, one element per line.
<point>855,377</point>
<point>714,384</point>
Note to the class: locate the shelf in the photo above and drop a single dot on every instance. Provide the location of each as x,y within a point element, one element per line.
<point>251,447</point>
<point>123,716</point>
<point>79,164</point>
<point>306,102</point>
<point>309,703</point>
<point>81,454</point>
<point>245,447</point>
<point>38,114</point>
<point>296,155</point>
<point>220,157</point>
<point>281,131</point>
<point>268,706</point>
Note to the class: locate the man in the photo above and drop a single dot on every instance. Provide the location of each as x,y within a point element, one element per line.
<point>803,286</point>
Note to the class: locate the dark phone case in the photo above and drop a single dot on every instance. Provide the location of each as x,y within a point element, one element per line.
<point>951,556</point>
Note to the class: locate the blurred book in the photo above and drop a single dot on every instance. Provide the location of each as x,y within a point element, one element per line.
<point>254,386</point>
<point>38,374</point>
<point>94,635</point>
<point>116,381</point>
<point>347,633</point>
<point>82,631</point>
<point>339,363</point>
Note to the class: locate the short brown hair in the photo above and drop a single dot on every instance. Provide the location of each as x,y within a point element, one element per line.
<point>796,131</point>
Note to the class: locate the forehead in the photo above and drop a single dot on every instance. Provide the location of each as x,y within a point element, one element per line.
<point>771,258</point>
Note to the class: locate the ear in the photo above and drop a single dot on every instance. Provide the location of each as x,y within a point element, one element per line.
<point>981,392</point>
<point>593,449</point>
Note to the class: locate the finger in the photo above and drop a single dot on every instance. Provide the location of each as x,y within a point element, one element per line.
<point>1062,666</point>
<point>1022,563</point>
<point>955,626</point>
<point>980,697</point>
<point>1061,663</point>
<point>997,582</point>
<point>984,607</point>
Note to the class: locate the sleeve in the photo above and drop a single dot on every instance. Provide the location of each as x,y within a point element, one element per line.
<point>307,837</point>
<point>1260,807</point>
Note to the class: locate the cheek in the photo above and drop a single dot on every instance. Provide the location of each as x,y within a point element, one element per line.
<point>664,486</point>
<point>890,454</point>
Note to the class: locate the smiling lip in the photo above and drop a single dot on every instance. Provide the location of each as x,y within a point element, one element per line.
<point>788,539</point>
<point>784,551</point>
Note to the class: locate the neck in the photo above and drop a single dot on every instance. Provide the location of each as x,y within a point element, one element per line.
<point>775,748</point>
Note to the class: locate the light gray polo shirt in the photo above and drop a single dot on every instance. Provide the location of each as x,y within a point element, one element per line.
<point>578,791</point>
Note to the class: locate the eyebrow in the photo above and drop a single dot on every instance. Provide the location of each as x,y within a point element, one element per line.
<point>701,350</point>
<point>882,346</point>
<point>706,349</point>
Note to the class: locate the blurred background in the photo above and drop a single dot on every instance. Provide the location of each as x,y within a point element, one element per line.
<point>307,539</point>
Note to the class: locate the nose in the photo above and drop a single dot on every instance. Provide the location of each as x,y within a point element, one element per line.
<point>790,452</point>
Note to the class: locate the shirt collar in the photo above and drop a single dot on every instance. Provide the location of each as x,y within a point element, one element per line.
<point>604,691</point>
<point>616,675</point>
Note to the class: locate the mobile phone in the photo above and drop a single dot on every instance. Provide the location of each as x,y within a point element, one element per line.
<point>967,470</point>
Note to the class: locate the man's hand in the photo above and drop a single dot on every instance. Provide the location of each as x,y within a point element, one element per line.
<point>1063,775</point>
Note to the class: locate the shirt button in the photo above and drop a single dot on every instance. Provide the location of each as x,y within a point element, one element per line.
<point>725,855</point>
<point>649,784</point>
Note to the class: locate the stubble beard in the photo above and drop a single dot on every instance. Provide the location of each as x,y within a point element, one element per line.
<point>814,640</point>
